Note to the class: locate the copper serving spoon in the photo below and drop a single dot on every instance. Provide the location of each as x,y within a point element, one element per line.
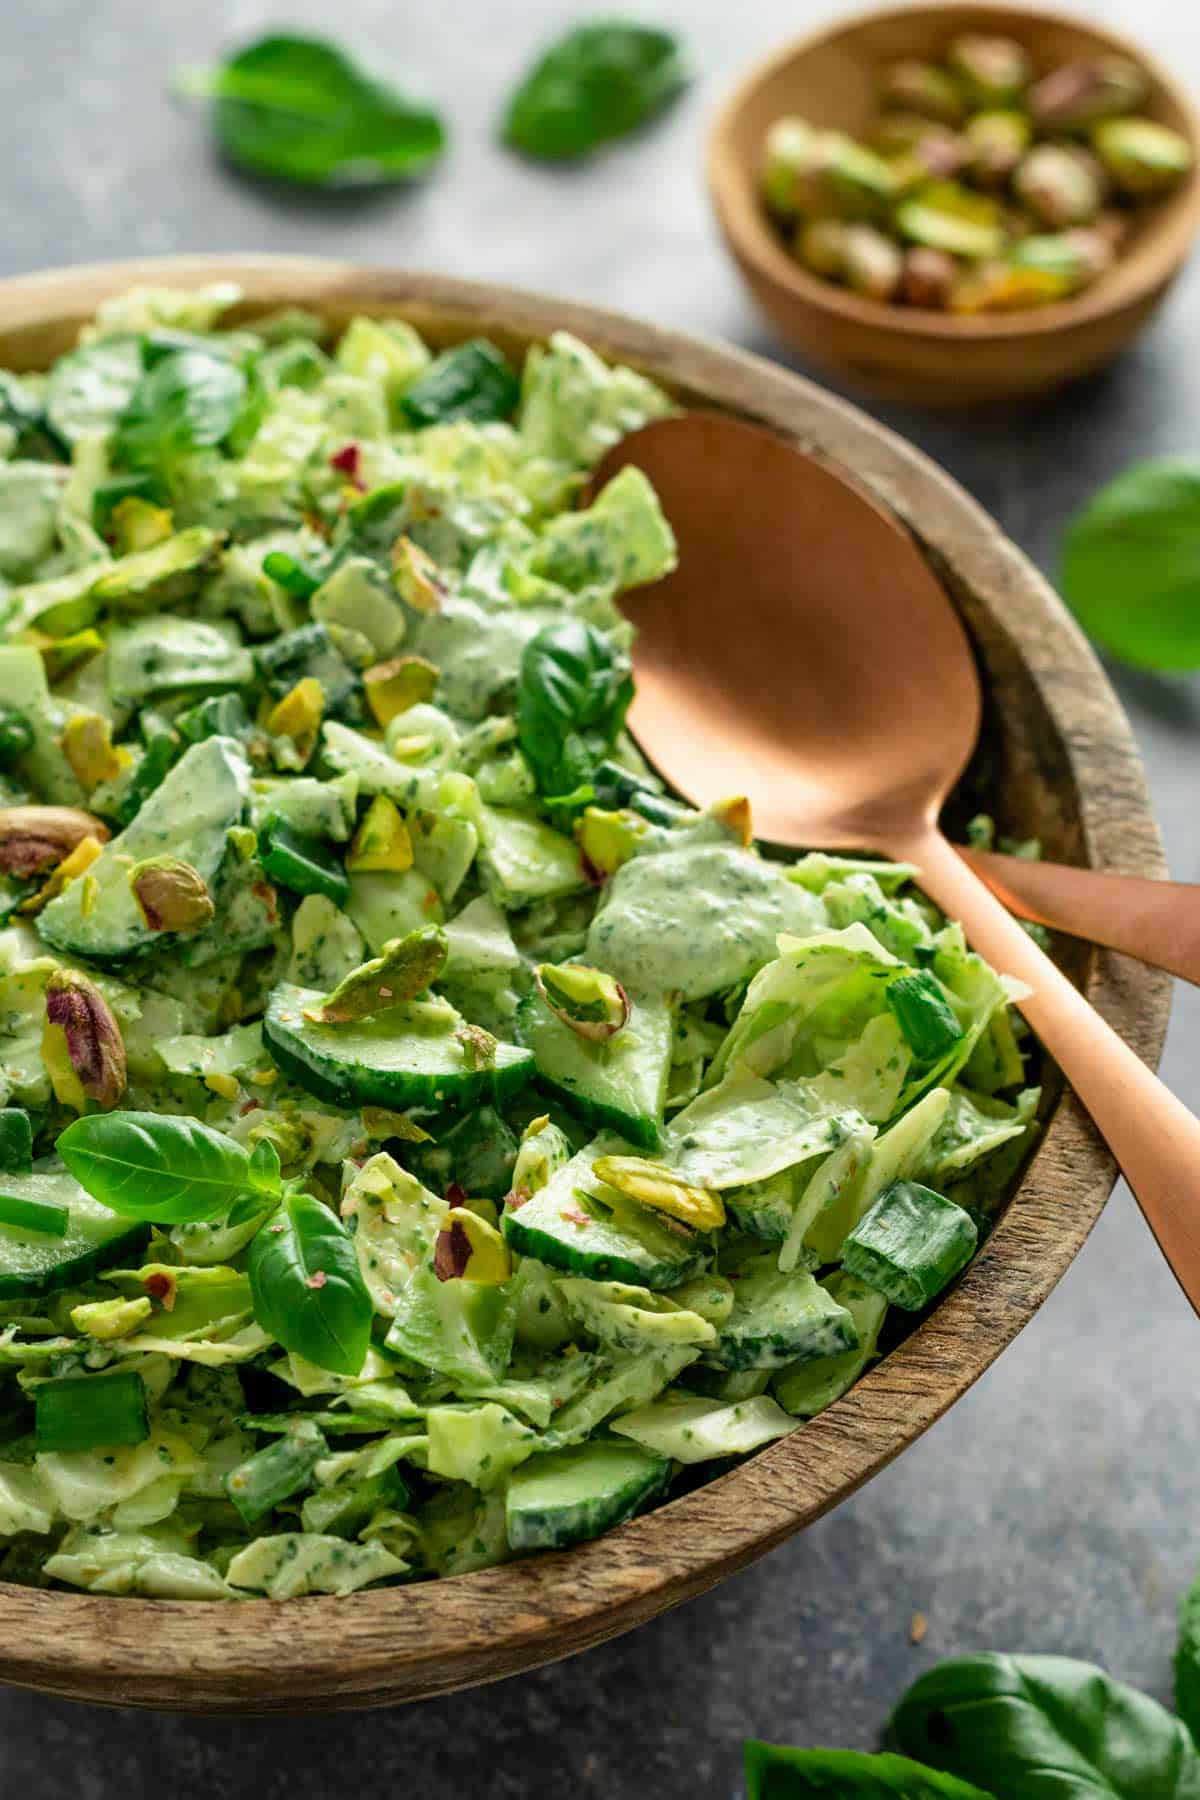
<point>804,654</point>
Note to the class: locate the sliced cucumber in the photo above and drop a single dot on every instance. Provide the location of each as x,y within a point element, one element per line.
<point>32,1263</point>
<point>577,1224</point>
<point>189,815</point>
<point>568,1496</point>
<point>805,1389</point>
<point>409,1056</point>
<point>779,1319</point>
<point>524,860</point>
<point>620,1082</point>
<point>911,1243</point>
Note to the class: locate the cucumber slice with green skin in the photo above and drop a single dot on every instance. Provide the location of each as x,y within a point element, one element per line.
<point>302,863</point>
<point>188,815</point>
<point>806,1389</point>
<point>618,1083</point>
<point>779,1319</point>
<point>910,1244</point>
<point>577,1224</point>
<point>16,1141</point>
<point>569,1496</point>
<point>408,1056</point>
<point>31,1263</point>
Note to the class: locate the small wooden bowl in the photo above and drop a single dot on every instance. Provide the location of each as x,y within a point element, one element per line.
<point>903,353</point>
<point>1057,761</point>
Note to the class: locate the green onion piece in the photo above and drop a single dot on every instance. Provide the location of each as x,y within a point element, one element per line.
<point>910,1244</point>
<point>924,1015</point>
<point>34,1215</point>
<point>257,1485</point>
<point>16,1141</point>
<point>302,863</point>
<point>91,1412</point>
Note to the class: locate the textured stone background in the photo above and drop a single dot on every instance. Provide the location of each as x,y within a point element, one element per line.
<point>1054,1508</point>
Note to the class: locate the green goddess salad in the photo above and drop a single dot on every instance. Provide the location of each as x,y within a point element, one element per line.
<point>423,1139</point>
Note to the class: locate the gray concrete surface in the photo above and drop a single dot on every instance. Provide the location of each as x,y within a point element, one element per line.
<point>1054,1508</point>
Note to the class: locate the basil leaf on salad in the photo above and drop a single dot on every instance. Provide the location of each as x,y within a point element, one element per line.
<point>597,82</point>
<point>573,692</point>
<point>1131,565</point>
<point>301,109</point>
<point>162,1166</point>
<point>189,400</point>
<point>307,1288</point>
<point>1041,1727</point>
<point>777,1772</point>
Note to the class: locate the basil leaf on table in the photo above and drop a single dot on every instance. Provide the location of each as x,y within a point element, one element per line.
<point>307,1288</point>
<point>1131,565</point>
<point>573,693</point>
<point>301,109</point>
<point>164,1167</point>
<point>596,83</point>
<point>1045,1728</point>
<point>776,1772</point>
<point>1187,1662</point>
<point>189,400</point>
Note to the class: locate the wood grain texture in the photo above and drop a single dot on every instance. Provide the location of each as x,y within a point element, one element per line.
<point>904,353</point>
<point>1058,760</point>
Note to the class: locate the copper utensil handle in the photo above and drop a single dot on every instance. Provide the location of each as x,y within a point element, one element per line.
<point>1153,1136</point>
<point>1156,921</point>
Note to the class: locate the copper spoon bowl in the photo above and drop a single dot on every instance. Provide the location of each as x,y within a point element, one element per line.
<point>804,654</point>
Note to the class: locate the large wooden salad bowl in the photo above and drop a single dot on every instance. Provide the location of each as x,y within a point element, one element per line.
<point>1058,762</point>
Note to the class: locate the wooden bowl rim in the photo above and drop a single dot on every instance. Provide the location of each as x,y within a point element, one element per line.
<point>1150,265</point>
<point>405,1643</point>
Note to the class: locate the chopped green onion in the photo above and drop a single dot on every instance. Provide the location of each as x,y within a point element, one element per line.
<point>257,1485</point>
<point>34,1215</point>
<point>91,1412</point>
<point>910,1244</point>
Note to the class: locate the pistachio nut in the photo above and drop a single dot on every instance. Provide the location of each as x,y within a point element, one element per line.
<point>1143,158</point>
<point>171,894</point>
<point>298,715</point>
<point>997,141</point>
<point>416,576</point>
<point>872,264</point>
<point>77,863</point>
<point>654,1185</point>
<point>478,1046</point>
<point>406,967</point>
<point>392,687</point>
<point>62,655</point>
<point>380,1122</point>
<point>993,71</point>
<point>735,815</point>
<point>1061,184</point>
<point>608,839</point>
<point>590,1003</point>
<point>106,1320</point>
<point>928,278</point>
<point>382,841</point>
<point>945,216</point>
<point>137,524</point>
<point>790,147</point>
<point>821,246</point>
<point>82,1046</point>
<point>34,839</point>
<point>921,87</point>
<point>1078,94</point>
<point>845,179</point>
<point>469,1248</point>
<point>88,747</point>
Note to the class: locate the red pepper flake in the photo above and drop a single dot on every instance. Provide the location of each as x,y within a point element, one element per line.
<point>515,1199</point>
<point>161,1287</point>
<point>262,890</point>
<point>451,1253</point>
<point>250,1106</point>
<point>455,1194</point>
<point>348,461</point>
<point>317,1279</point>
<point>575,1216</point>
<point>591,873</point>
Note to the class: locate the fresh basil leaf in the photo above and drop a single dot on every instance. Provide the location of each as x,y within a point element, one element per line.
<point>594,84</point>
<point>265,1167</point>
<point>164,1167</point>
<point>23,413</point>
<point>188,401</point>
<point>775,1772</point>
<point>88,389</point>
<point>573,693</point>
<point>247,1208</point>
<point>1187,1662</point>
<point>1131,565</point>
<point>1045,1728</point>
<point>473,381</point>
<point>301,109</point>
<point>307,1287</point>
